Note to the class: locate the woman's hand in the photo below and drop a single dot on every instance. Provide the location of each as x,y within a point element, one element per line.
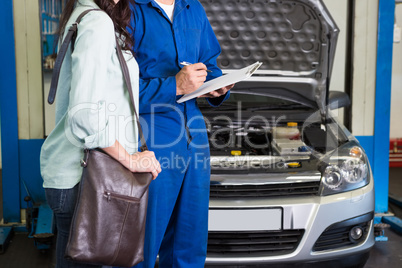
<point>145,162</point>
<point>138,162</point>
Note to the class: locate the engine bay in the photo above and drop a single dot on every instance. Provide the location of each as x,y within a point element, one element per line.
<point>283,146</point>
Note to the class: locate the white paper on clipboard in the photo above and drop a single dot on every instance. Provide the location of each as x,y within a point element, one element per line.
<point>222,81</point>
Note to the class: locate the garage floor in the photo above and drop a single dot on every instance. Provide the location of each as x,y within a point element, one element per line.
<point>22,253</point>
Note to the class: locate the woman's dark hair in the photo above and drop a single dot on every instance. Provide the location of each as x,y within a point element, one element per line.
<point>120,14</point>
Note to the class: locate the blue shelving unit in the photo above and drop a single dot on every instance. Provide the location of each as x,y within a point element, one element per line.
<point>50,17</point>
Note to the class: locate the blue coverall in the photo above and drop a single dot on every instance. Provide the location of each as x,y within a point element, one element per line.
<point>177,218</point>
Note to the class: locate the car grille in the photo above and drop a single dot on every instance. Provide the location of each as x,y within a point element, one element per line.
<point>333,238</point>
<point>253,243</point>
<point>266,190</point>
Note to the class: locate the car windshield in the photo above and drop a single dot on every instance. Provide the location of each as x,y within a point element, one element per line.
<point>252,102</point>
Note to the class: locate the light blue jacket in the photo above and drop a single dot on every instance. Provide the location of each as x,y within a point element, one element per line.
<point>93,108</point>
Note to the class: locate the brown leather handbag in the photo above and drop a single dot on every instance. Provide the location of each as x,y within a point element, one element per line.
<point>108,226</point>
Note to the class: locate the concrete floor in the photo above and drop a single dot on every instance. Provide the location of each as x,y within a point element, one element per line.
<point>22,253</point>
<point>386,254</point>
<point>395,187</point>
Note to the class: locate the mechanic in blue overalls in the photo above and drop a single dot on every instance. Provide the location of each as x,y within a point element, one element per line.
<point>167,33</point>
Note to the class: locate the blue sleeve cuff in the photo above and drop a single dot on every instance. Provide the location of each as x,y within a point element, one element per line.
<point>101,139</point>
<point>215,102</point>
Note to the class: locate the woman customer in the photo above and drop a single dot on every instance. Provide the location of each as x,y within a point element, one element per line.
<point>93,108</point>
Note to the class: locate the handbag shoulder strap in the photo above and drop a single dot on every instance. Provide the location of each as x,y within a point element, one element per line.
<point>71,35</point>
<point>126,75</point>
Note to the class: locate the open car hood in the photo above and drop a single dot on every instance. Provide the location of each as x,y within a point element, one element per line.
<point>295,40</point>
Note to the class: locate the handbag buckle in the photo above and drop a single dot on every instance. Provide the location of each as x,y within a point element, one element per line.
<point>84,161</point>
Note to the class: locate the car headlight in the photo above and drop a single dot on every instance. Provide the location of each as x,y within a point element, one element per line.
<point>354,170</point>
<point>346,171</point>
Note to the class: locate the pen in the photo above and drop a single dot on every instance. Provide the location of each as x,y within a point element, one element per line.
<point>185,63</point>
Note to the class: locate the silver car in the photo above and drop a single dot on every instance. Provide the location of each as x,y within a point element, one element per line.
<point>289,184</point>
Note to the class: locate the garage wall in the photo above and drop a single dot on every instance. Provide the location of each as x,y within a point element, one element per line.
<point>339,12</point>
<point>29,69</point>
<point>396,95</point>
<point>364,67</point>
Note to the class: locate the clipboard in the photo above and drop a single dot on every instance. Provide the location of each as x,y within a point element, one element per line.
<point>222,81</point>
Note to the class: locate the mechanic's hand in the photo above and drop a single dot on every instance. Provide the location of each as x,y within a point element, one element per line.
<point>190,78</point>
<point>145,162</point>
<point>218,92</point>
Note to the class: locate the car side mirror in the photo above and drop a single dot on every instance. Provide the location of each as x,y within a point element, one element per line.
<point>338,99</point>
